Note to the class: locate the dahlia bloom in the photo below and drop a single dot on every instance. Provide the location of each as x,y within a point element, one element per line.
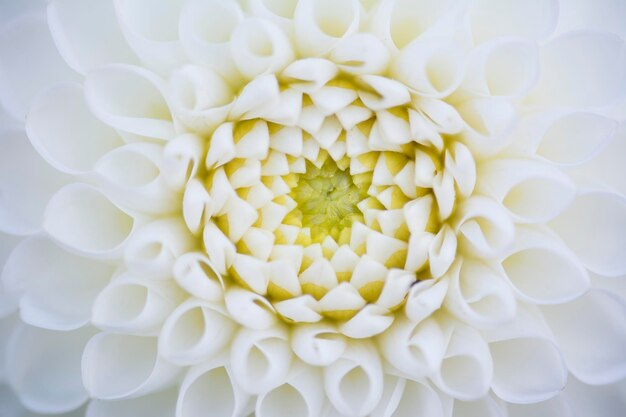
<point>313,208</point>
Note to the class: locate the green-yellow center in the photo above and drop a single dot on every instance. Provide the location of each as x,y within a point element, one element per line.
<point>327,200</point>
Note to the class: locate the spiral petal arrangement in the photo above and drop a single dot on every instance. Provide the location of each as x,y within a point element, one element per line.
<point>313,208</point>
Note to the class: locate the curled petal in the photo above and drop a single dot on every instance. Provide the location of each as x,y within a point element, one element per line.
<point>442,251</point>
<point>408,398</point>
<point>181,160</point>
<point>505,67</point>
<point>255,97</point>
<point>369,321</point>
<point>303,309</point>
<point>561,277</point>
<point>123,366</point>
<point>321,24</point>
<point>532,192</point>
<point>210,386</point>
<point>278,12</point>
<point>194,331</point>
<point>414,349</point>
<point>132,176</point>
<point>485,229</point>
<point>466,369</point>
<point>317,344</point>
<point>260,47</point>
<point>424,298</point>
<point>310,74</point>
<point>28,363</point>
<point>220,249</point>
<point>57,125</point>
<point>155,247</point>
<point>194,272</point>
<point>354,383</point>
<point>479,295</point>
<point>249,309</point>
<point>260,359</point>
<point>199,98</point>
<point>152,31</point>
<point>76,26</point>
<point>591,333</point>
<point>83,219</point>
<point>198,206</point>
<point>131,99</point>
<point>134,305</point>
<point>433,67</point>
<point>594,227</point>
<point>301,395</point>
<point>361,53</point>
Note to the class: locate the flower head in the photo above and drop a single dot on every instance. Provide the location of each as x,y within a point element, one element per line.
<point>313,207</point>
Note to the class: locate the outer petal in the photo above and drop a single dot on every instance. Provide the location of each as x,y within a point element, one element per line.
<point>122,366</point>
<point>162,404</point>
<point>605,401</point>
<point>594,60</point>
<point>78,26</point>
<point>26,184</point>
<point>29,62</point>
<point>594,227</point>
<point>45,385</point>
<point>606,15</point>
<point>591,332</point>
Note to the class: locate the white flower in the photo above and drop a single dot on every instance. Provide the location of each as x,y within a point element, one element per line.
<point>313,208</point>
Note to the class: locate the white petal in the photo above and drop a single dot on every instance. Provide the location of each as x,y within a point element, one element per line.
<point>576,137</point>
<point>540,376</point>
<point>153,249</point>
<point>414,349</point>
<point>255,96</point>
<point>581,59</point>
<point>26,185</point>
<point>310,74</point>
<point>495,18</point>
<point>260,359</point>
<point>59,287</point>
<point>29,63</point>
<point>198,206</point>
<point>560,278</point>
<point>260,47</point>
<point>134,305</point>
<point>606,401</point>
<point>466,369</point>
<point>122,366</point>
<point>196,330</point>
<point>182,157</point>
<point>77,26</point>
<point>424,298</point>
<point>206,27</point>
<point>533,192</point>
<point>302,395</point>
<point>129,98</point>
<point>479,295</point>
<point>59,123</point>
<point>131,176</point>
<point>249,309</point>
<point>504,67</point>
<point>594,227</point>
<point>220,249</point>
<point>409,398</point>
<point>591,333</point>
<point>280,12</point>
<point>317,344</point>
<point>556,406</point>
<point>354,383</point>
<point>43,367</point>
<point>209,387</point>
<point>151,30</point>
<point>485,228</point>
<point>303,309</point>
<point>162,404</point>
<point>321,24</point>
<point>194,272</point>
<point>200,98</point>
<point>361,53</point>
<point>433,67</point>
<point>395,289</point>
<point>442,251</point>
<point>369,321</point>
<point>604,15</point>
<point>82,218</point>
<point>485,407</point>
